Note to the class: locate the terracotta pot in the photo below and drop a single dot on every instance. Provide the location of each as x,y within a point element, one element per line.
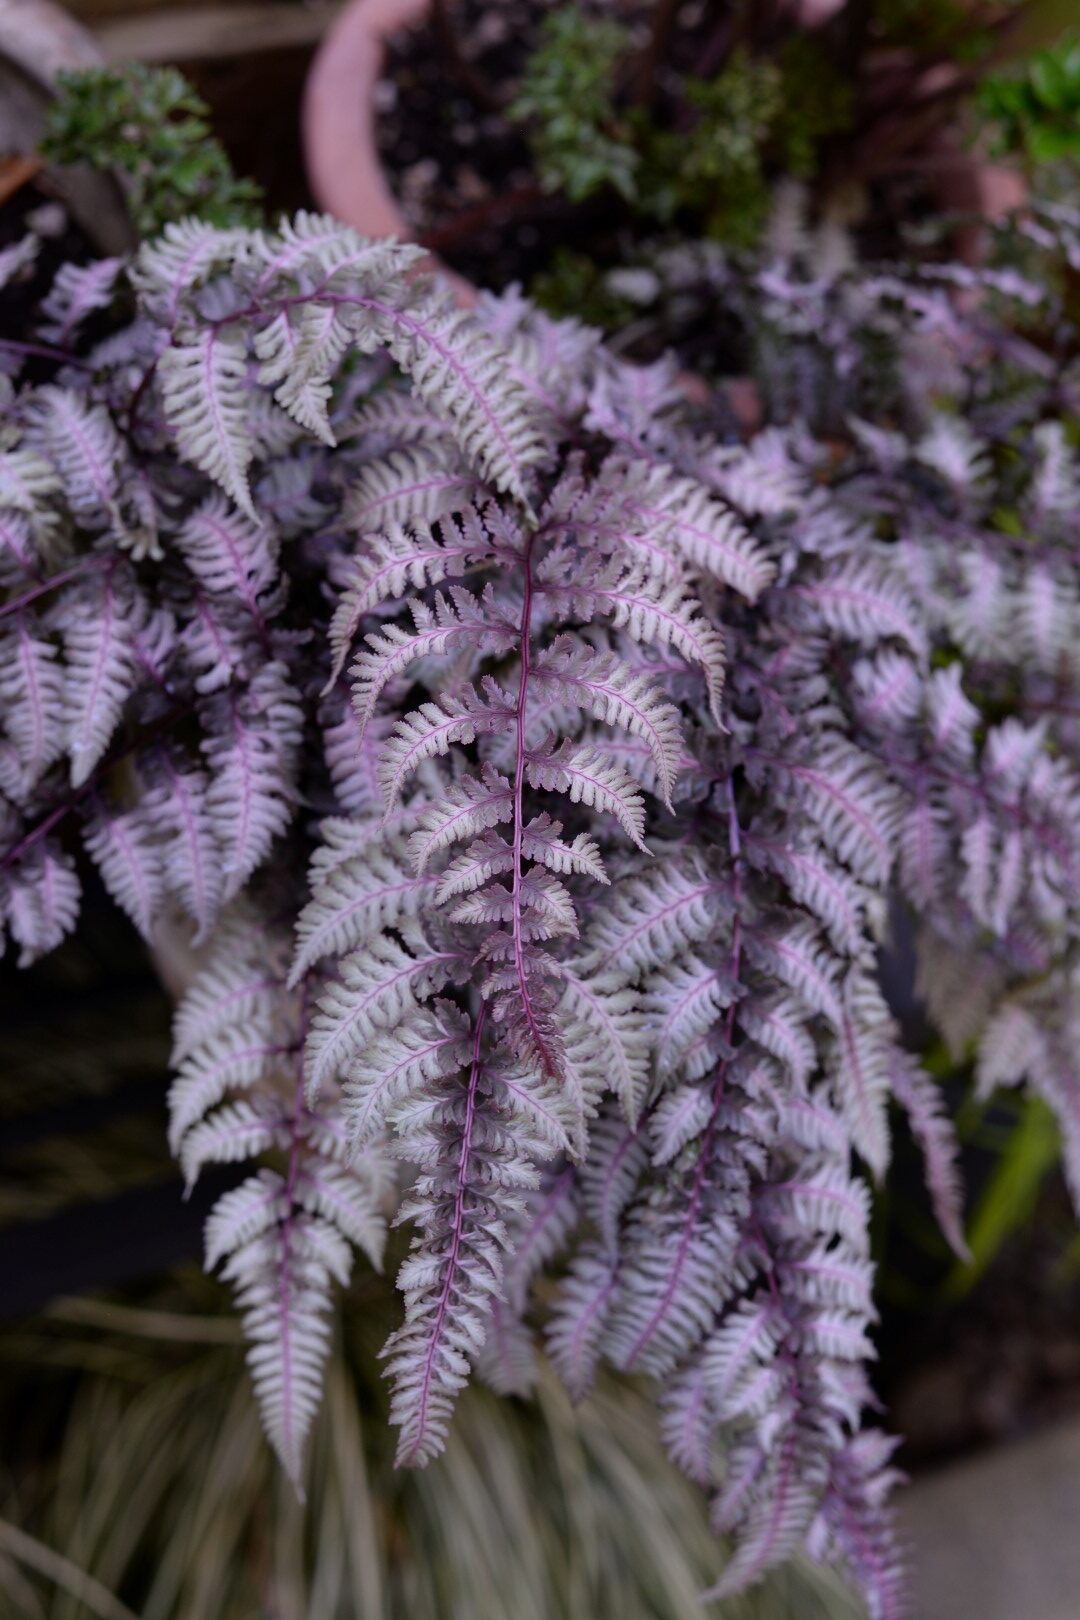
<point>38,40</point>
<point>343,164</point>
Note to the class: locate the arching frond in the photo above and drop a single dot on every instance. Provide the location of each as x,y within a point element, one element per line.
<point>203,385</point>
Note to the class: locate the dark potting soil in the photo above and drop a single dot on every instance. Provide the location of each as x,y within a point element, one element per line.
<point>462,171</point>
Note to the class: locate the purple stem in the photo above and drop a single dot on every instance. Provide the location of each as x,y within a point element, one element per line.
<point>517,924</point>
<point>285,1284</point>
<point>86,565</point>
<point>457,1227</point>
<point>43,351</point>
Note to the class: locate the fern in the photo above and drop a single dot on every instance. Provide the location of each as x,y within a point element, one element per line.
<point>282,1239</point>
<point>539,775</point>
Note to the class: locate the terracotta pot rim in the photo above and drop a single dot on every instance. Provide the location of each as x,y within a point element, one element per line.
<point>341,154</point>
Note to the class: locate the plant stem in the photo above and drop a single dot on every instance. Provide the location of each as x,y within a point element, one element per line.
<point>457,1228</point>
<point>43,351</point>
<point>53,583</point>
<point>531,1017</point>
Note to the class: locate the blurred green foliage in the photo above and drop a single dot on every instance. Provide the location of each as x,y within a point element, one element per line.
<point>573,284</point>
<point>149,126</point>
<point>568,98</point>
<point>1028,1150</point>
<point>711,169</point>
<point>1033,108</point>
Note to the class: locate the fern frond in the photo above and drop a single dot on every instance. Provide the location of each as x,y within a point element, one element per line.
<point>411,485</point>
<point>229,553</point>
<point>656,610</point>
<point>98,625</point>
<point>254,761</point>
<point>78,291</point>
<point>379,985</point>
<point>130,862</point>
<point>852,802</point>
<point>432,730</point>
<point>650,920</point>
<point>234,1060</point>
<point>204,394</point>
<point>240,983</point>
<point>176,263</point>
<point>428,1045</point>
<point>685,998</point>
<point>176,808</point>
<point>465,810</point>
<point>453,621</point>
<point>861,601</point>
<point>401,558</point>
<point>80,440</point>
<point>579,1320</point>
<point>586,776</point>
<point>299,351</point>
<point>476,1154</point>
<point>454,365</point>
<point>675,513</point>
<point>282,1279</point>
<point>353,901</point>
<point>40,897</point>
<point>604,1033</point>
<point>32,692</point>
<point>921,1099</point>
<point>233,1132</point>
<point>607,690</point>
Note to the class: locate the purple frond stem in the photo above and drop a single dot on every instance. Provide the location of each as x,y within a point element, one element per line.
<point>285,1281</point>
<point>90,786</point>
<point>43,351</point>
<point>457,1228</point>
<point>43,828</point>
<point>518,921</point>
<point>87,565</point>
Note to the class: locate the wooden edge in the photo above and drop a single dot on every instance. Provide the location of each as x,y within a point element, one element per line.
<point>181,34</point>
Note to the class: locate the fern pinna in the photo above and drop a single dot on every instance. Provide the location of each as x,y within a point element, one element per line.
<point>534,772</point>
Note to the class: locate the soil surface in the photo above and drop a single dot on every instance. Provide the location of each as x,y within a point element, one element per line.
<point>461,170</point>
